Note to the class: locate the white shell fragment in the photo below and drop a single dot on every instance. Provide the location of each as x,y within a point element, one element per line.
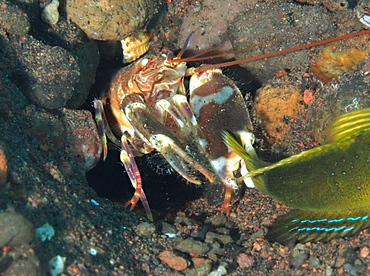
<point>363,12</point>
<point>50,14</point>
<point>45,232</point>
<point>135,45</point>
<point>56,265</point>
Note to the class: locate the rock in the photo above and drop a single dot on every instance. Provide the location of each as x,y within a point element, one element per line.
<point>82,136</point>
<point>305,125</point>
<point>15,229</point>
<point>192,246</point>
<point>57,68</point>
<point>290,26</point>
<point>276,107</point>
<point>13,20</point>
<point>338,58</point>
<point>87,56</point>
<point>110,20</point>
<point>173,261</point>
<point>210,31</point>
<point>47,74</point>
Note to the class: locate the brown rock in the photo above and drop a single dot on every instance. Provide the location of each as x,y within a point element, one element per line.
<point>197,261</point>
<point>83,137</point>
<point>110,20</point>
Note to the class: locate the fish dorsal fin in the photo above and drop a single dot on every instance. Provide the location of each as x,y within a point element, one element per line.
<point>349,125</point>
<point>344,127</point>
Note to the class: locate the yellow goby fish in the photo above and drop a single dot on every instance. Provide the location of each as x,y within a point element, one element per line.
<point>329,184</point>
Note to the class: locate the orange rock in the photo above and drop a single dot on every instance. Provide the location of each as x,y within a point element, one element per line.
<point>334,61</point>
<point>308,96</point>
<point>175,262</point>
<point>3,167</point>
<point>275,107</point>
<point>364,252</point>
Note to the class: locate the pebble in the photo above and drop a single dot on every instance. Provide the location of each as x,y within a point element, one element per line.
<point>298,259</point>
<point>50,14</point>
<point>211,236</point>
<point>145,229</point>
<point>217,220</point>
<point>201,270</point>
<point>244,260</point>
<point>350,270</point>
<point>168,229</point>
<point>364,252</point>
<point>172,260</point>
<point>328,270</point>
<point>192,246</point>
<point>199,261</point>
<point>221,270</point>
<point>314,262</point>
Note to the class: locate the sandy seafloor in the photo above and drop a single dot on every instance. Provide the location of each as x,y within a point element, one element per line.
<point>49,139</point>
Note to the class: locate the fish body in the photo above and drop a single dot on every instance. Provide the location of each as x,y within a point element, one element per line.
<point>328,185</point>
